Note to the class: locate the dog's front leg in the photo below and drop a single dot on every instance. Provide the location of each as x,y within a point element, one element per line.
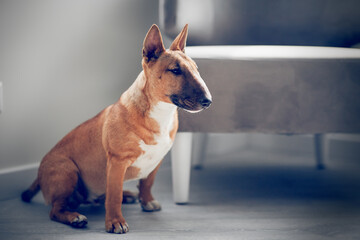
<point>114,220</point>
<point>148,203</point>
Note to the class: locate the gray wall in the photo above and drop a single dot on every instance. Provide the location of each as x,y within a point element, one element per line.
<point>62,62</point>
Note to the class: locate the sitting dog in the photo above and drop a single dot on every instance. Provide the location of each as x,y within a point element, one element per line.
<point>126,141</point>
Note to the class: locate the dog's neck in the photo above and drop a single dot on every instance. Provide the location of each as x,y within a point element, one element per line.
<point>139,98</point>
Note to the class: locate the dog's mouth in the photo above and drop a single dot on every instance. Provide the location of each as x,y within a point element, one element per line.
<point>189,104</point>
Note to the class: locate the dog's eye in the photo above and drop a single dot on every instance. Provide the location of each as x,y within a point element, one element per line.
<point>175,71</point>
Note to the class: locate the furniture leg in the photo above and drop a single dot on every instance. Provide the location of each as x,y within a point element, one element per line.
<point>321,150</point>
<point>181,166</point>
<point>200,141</point>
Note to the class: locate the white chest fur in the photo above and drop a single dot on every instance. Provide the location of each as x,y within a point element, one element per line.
<point>163,113</point>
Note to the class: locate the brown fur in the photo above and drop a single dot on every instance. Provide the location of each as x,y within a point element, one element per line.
<point>97,156</point>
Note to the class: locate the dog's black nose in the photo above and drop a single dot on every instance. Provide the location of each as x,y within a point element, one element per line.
<point>205,102</point>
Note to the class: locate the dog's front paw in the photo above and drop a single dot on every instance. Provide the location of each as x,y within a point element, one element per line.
<point>117,226</point>
<point>151,206</point>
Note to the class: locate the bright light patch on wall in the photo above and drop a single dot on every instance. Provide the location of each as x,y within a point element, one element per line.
<point>198,14</point>
<point>1,97</point>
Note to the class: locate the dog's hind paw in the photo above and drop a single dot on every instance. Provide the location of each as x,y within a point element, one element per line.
<point>79,222</point>
<point>151,206</point>
<point>130,197</point>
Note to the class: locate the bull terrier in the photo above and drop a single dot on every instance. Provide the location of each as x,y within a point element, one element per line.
<point>126,141</point>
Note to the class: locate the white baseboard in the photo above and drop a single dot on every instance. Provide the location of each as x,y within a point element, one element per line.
<point>14,180</point>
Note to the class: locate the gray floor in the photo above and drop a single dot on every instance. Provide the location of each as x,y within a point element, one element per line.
<point>247,196</point>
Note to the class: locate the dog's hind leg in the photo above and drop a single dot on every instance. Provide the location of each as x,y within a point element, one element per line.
<point>58,180</point>
<point>60,214</point>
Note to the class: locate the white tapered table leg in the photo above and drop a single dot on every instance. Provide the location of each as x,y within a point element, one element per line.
<point>200,141</point>
<point>321,150</point>
<point>181,166</point>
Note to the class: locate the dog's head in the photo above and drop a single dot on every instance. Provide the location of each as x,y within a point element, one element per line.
<point>172,75</point>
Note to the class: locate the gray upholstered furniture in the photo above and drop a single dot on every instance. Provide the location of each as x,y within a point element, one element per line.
<point>300,75</point>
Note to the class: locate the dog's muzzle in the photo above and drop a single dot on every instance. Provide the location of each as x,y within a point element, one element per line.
<point>192,104</point>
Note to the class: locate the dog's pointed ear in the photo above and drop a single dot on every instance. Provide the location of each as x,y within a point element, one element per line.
<point>180,41</point>
<point>153,44</point>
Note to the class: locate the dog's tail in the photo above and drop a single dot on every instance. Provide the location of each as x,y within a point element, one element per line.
<point>27,195</point>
